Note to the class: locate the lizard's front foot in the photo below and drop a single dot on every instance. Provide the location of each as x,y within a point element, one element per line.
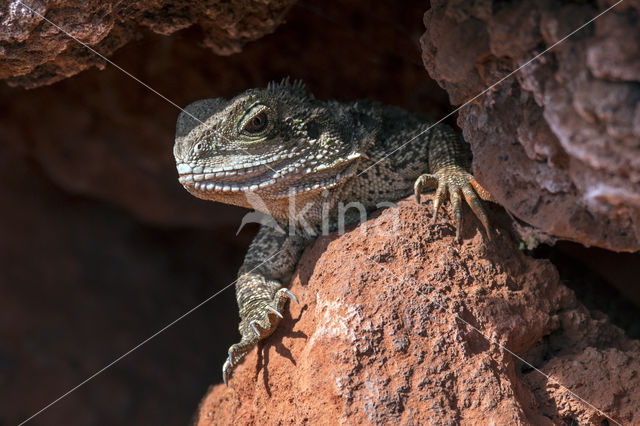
<point>260,319</point>
<point>454,180</point>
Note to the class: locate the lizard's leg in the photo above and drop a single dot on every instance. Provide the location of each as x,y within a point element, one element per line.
<point>448,156</point>
<point>261,297</point>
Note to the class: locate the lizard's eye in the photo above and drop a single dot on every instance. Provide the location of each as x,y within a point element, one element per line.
<point>257,123</point>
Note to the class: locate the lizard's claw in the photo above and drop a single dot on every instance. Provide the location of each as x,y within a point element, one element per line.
<point>227,367</point>
<point>453,180</point>
<point>260,320</point>
<point>285,292</point>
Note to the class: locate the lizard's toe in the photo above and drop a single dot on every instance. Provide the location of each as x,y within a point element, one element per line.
<point>428,181</point>
<point>283,294</point>
<point>470,191</point>
<point>267,316</point>
<point>453,181</point>
<point>274,311</point>
<point>423,182</point>
<point>260,321</point>
<point>236,353</point>
<point>438,199</point>
<point>255,326</point>
<point>227,369</point>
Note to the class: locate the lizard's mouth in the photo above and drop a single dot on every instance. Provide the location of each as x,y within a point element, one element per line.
<point>281,179</point>
<point>208,179</point>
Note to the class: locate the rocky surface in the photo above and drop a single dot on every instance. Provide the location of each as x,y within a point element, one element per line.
<point>36,48</point>
<point>399,324</point>
<point>558,143</point>
<point>100,247</point>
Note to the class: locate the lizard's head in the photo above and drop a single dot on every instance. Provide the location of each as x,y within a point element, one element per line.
<point>271,142</point>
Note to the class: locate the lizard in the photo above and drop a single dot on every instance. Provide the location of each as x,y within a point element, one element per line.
<point>304,158</point>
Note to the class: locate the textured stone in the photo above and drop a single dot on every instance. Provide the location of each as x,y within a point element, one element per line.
<point>557,143</point>
<point>100,246</point>
<point>34,52</point>
<point>398,324</point>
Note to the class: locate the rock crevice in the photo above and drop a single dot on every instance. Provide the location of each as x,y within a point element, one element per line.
<point>557,143</point>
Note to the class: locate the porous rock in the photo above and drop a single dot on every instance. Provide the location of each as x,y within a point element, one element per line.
<point>558,142</point>
<point>399,324</point>
<point>35,49</point>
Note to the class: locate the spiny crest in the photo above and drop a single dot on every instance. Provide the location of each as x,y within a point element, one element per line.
<point>296,88</point>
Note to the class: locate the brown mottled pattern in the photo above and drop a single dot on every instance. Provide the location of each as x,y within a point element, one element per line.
<point>281,142</point>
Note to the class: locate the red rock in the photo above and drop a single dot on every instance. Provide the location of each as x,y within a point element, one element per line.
<point>556,143</point>
<point>35,51</point>
<point>398,323</point>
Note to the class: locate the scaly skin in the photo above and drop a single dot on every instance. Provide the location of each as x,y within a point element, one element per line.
<point>301,158</point>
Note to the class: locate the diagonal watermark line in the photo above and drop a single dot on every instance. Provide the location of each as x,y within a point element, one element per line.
<point>145,341</point>
<point>109,61</point>
<point>229,285</point>
<point>503,347</point>
<point>494,84</point>
<point>62,30</point>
